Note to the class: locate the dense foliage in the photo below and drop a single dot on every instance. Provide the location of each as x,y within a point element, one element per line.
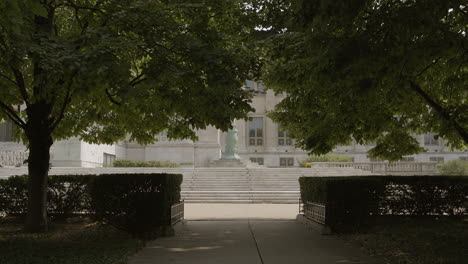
<point>143,163</point>
<point>354,201</point>
<point>112,68</point>
<point>368,71</point>
<point>138,203</point>
<point>67,195</point>
<point>454,167</point>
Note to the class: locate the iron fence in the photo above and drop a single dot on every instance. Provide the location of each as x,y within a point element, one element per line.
<point>313,211</point>
<point>177,212</point>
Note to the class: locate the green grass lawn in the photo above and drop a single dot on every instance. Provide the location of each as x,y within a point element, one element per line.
<point>78,240</point>
<point>416,241</point>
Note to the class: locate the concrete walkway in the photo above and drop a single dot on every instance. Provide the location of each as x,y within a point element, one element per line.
<point>221,211</point>
<point>248,242</point>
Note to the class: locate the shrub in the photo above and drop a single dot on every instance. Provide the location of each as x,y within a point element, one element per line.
<point>66,195</point>
<point>454,167</point>
<point>69,194</point>
<point>137,203</point>
<point>142,163</point>
<point>353,202</point>
<point>325,158</point>
<point>13,195</point>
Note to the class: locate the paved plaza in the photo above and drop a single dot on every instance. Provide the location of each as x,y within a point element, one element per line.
<point>241,211</point>
<point>247,234</point>
<point>248,242</point>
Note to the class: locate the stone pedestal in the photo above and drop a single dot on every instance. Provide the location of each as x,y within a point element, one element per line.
<point>230,157</point>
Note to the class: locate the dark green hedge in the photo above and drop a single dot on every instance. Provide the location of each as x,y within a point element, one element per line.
<point>133,202</point>
<point>354,201</point>
<point>13,195</point>
<point>66,195</point>
<point>136,203</point>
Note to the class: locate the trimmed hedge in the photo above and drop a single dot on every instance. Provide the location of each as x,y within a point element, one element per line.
<point>133,202</point>
<point>66,195</point>
<point>325,158</point>
<point>13,195</point>
<point>137,203</point>
<point>353,202</point>
<point>142,163</point>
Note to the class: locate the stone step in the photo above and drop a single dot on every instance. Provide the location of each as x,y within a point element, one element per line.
<point>284,201</point>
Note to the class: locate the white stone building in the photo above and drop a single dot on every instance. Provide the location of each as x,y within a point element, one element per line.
<point>259,140</point>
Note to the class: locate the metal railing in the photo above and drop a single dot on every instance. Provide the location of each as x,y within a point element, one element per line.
<point>313,211</point>
<point>177,212</point>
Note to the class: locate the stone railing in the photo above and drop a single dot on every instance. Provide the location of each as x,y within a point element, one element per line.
<point>383,167</point>
<point>13,158</point>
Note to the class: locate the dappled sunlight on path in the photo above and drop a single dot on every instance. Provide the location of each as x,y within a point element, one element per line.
<point>248,242</point>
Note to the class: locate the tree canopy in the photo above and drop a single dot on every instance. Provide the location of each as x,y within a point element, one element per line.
<point>108,68</point>
<point>103,70</point>
<point>369,71</point>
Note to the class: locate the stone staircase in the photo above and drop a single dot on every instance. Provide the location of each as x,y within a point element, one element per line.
<point>251,185</point>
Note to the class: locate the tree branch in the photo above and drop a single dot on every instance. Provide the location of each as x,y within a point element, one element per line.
<point>9,79</point>
<point>139,81</point>
<point>94,8</point>
<point>8,110</point>
<point>441,111</point>
<point>136,78</point>
<point>428,67</point>
<point>112,99</point>
<point>20,83</point>
<point>66,101</point>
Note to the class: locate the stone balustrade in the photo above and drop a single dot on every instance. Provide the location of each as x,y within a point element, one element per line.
<point>384,167</point>
<point>13,158</point>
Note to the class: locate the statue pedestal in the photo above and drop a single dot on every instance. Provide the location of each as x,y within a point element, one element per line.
<point>239,163</point>
<point>230,157</point>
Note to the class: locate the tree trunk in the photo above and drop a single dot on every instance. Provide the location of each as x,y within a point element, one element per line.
<point>40,141</point>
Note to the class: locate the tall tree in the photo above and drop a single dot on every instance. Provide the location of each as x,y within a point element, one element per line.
<point>369,71</point>
<point>104,69</point>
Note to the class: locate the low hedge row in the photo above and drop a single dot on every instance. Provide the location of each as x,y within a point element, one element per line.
<point>66,195</point>
<point>132,202</point>
<point>139,203</point>
<point>353,202</point>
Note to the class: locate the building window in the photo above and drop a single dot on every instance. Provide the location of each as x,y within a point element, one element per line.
<point>463,158</point>
<point>256,131</point>
<point>407,159</point>
<point>6,131</point>
<point>108,160</point>
<point>283,137</point>
<point>257,160</point>
<point>375,160</point>
<point>430,140</point>
<point>286,162</point>
<point>436,159</point>
<point>255,87</point>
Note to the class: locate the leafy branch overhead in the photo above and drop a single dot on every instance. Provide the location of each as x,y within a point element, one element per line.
<point>369,71</point>
<point>103,69</point>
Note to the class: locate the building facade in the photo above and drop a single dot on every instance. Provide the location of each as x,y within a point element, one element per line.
<point>259,140</point>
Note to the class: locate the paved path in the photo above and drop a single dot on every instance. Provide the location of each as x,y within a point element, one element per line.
<point>219,211</point>
<point>248,242</point>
